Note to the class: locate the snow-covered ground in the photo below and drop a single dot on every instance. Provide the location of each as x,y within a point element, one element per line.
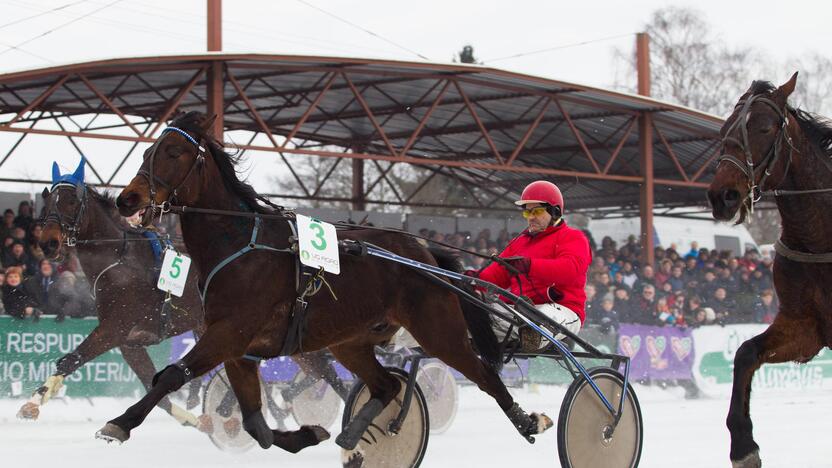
<point>791,428</point>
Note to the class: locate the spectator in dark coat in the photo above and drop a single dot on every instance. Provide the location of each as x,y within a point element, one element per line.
<point>647,277</point>
<point>644,306</point>
<point>766,308</point>
<point>725,308</point>
<point>8,224</point>
<point>15,300</point>
<point>16,256</point>
<point>24,217</point>
<point>37,287</point>
<point>676,280</point>
<point>607,316</point>
<point>623,305</point>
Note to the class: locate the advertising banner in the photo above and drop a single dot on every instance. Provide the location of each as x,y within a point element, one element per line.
<point>29,351</point>
<point>657,352</point>
<point>713,367</point>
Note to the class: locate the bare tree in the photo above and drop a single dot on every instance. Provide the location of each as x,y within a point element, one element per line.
<point>689,64</point>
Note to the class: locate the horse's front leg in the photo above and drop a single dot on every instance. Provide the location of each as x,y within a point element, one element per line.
<point>222,341</point>
<point>785,340</point>
<point>245,381</point>
<point>102,339</point>
<point>139,361</point>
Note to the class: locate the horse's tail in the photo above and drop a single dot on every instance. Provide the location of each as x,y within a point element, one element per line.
<point>479,321</point>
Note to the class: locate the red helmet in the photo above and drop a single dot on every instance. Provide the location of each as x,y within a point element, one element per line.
<point>541,191</point>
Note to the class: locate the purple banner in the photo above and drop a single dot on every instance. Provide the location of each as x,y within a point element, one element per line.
<point>657,352</point>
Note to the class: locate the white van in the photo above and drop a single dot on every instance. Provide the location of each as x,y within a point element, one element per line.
<point>667,231</point>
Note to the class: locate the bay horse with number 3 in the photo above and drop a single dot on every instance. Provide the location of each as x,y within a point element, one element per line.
<point>248,304</point>
<point>772,149</point>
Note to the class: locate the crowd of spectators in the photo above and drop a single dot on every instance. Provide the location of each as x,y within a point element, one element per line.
<point>31,284</point>
<point>682,288</point>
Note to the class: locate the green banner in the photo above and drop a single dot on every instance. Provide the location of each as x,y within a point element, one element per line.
<point>551,371</point>
<point>29,352</point>
<point>713,368</point>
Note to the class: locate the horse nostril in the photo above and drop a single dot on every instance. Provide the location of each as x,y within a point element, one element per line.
<point>730,197</point>
<point>53,244</point>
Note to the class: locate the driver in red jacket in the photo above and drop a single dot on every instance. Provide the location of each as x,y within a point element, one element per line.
<point>551,257</point>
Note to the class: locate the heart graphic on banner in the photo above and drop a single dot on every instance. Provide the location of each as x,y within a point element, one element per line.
<point>656,345</point>
<point>630,345</point>
<point>681,347</point>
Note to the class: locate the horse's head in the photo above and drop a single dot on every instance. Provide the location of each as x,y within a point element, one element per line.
<point>64,210</point>
<point>756,149</point>
<point>170,169</point>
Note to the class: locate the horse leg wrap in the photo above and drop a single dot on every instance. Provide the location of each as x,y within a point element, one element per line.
<point>173,376</point>
<point>349,438</point>
<point>256,426</point>
<point>524,423</point>
<point>68,364</point>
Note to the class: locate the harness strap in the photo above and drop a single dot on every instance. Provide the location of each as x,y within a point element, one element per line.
<point>802,257</point>
<point>252,245</point>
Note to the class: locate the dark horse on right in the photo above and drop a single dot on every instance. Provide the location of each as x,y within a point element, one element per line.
<point>248,302</point>
<point>772,149</point>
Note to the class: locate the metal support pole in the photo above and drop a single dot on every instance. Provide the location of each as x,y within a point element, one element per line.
<point>358,199</point>
<point>645,143</point>
<point>214,76</point>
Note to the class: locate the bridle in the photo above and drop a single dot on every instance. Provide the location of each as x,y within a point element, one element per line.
<point>152,179</point>
<point>757,175</point>
<point>69,230</point>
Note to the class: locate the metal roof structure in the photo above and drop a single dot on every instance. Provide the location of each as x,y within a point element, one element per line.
<point>490,130</point>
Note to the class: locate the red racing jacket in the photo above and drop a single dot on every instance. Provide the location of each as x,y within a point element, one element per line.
<point>560,257</point>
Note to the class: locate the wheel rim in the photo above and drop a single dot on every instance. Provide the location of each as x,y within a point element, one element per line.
<point>238,441</point>
<point>440,390</point>
<point>588,425</point>
<point>403,450</point>
<point>318,405</point>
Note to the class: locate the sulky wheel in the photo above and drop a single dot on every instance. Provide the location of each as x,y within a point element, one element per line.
<point>220,404</point>
<point>317,405</point>
<point>379,448</point>
<point>584,426</point>
<point>442,393</point>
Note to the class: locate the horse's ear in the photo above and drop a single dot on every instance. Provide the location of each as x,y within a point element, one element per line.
<point>56,173</point>
<point>787,88</point>
<point>78,175</point>
<point>45,193</point>
<point>206,122</point>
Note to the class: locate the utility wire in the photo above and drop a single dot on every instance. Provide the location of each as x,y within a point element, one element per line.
<point>549,49</point>
<point>41,14</point>
<point>363,29</point>
<point>50,31</point>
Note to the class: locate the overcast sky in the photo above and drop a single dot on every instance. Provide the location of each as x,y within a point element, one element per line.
<point>581,36</point>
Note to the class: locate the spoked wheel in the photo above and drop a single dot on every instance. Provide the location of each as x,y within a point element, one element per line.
<point>442,393</point>
<point>221,405</point>
<point>585,435</point>
<point>317,405</point>
<point>380,448</point>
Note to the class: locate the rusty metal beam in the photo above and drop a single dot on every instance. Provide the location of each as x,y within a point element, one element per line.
<point>107,102</point>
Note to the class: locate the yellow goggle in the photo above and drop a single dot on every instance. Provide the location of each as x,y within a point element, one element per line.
<point>534,212</point>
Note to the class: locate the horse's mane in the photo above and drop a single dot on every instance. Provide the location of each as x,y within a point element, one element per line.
<point>818,129</point>
<point>107,201</point>
<point>226,162</point>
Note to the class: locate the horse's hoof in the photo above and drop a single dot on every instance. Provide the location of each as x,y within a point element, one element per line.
<point>112,433</point>
<point>205,424</point>
<point>232,427</point>
<point>29,411</point>
<point>541,422</point>
<point>752,460</point>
